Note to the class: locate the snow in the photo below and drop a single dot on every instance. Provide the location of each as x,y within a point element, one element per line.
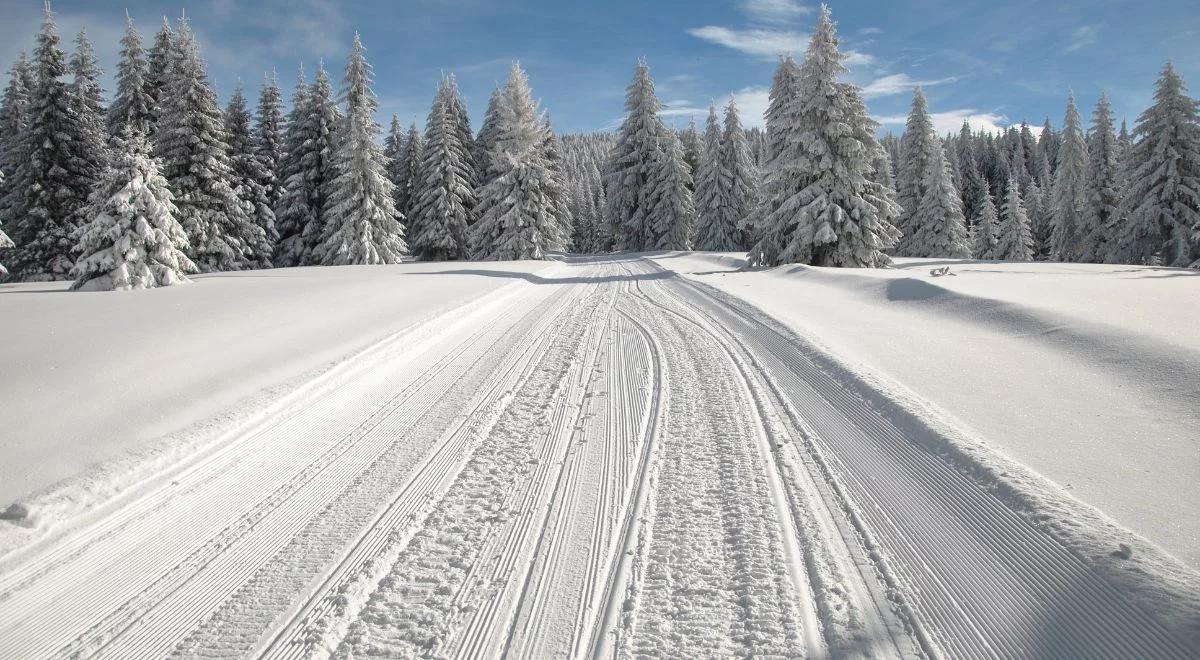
<point>1084,373</point>
<point>90,377</point>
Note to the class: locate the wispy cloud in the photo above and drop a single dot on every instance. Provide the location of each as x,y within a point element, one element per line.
<point>767,44</point>
<point>898,83</point>
<point>952,120</point>
<point>871,30</point>
<point>752,105</point>
<point>774,11</point>
<point>1084,36</point>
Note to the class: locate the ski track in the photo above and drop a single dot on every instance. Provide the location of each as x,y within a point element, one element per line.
<point>610,462</point>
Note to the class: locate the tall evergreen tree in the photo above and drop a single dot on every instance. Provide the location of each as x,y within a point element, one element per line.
<point>556,188</point>
<point>54,178</point>
<point>1048,146</point>
<point>406,172</point>
<point>158,64</point>
<point>827,210</point>
<point>986,227</point>
<point>90,110</point>
<point>517,210</point>
<point>487,138</point>
<point>673,212</point>
<point>251,178</point>
<point>971,182</point>
<point>632,163</point>
<point>1015,238</point>
<point>190,140</point>
<point>133,105</point>
<point>132,239</point>
<point>1069,180</point>
<point>363,225</point>
<point>711,232</point>
<point>444,202</point>
<point>269,141</point>
<point>1162,201</point>
<point>14,118</point>
<point>939,229</point>
<point>312,142</point>
<point>456,109</point>
<point>692,146</point>
<point>738,176</point>
<point>919,151</point>
<point>1102,187</point>
<point>1041,221</point>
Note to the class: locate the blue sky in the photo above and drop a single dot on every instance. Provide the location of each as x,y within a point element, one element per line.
<point>996,63</point>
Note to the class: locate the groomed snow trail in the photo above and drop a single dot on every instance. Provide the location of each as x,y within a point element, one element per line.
<point>602,460</point>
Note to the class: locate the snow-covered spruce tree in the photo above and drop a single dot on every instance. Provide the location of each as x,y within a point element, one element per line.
<point>739,179</point>
<point>986,230</point>
<point>54,178</point>
<point>444,197</point>
<point>779,135</point>
<point>1048,146</point>
<point>825,207</point>
<point>1161,207</point>
<point>631,165</point>
<point>132,239</point>
<point>1102,187</point>
<point>556,187</point>
<point>14,117</point>
<point>406,172</point>
<point>190,140</point>
<point>268,141</point>
<point>938,225</point>
<point>970,181</point>
<point>487,138</point>
<point>1015,240</point>
<point>311,142</point>
<point>711,232</point>
<point>363,226</point>
<point>158,64</point>
<point>1069,180</point>
<point>250,178</point>
<point>457,111</point>
<point>133,106</point>
<point>90,110</point>
<point>673,212</point>
<point>919,149</point>
<point>394,146</point>
<point>689,139</point>
<point>517,211</point>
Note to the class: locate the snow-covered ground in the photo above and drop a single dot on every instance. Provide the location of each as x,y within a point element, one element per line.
<point>1085,373</point>
<point>602,458</point>
<point>90,377</point>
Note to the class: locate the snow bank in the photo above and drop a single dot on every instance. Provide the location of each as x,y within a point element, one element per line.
<point>1084,373</point>
<point>88,378</point>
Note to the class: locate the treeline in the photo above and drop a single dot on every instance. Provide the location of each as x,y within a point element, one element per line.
<point>163,182</point>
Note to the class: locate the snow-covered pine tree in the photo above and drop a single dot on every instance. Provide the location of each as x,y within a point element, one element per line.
<point>711,232</point>
<point>311,142</point>
<point>632,163</point>
<point>1041,222</point>
<point>739,179</point>
<point>1068,197</point>
<point>517,207</point>
<point>556,188</point>
<point>54,178</point>
<point>919,149</point>
<point>461,120</point>
<point>1015,240</point>
<point>444,197</point>
<point>940,230</point>
<point>1048,146</point>
<point>133,106</point>
<point>673,212</point>
<point>826,208</point>
<point>90,111</point>
<point>986,231</point>
<point>158,64</point>
<point>394,146</point>
<point>190,141</point>
<point>14,117</point>
<point>1102,187</point>
<point>363,226</point>
<point>250,179</point>
<point>1162,200</point>
<point>268,140</point>
<point>407,173</point>
<point>779,135</point>
<point>970,181</point>
<point>132,239</point>
<point>487,138</point>
<point>692,149</point>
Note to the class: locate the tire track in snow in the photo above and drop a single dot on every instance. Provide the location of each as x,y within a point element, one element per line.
<point>976,578</point>
<point>132,559</point>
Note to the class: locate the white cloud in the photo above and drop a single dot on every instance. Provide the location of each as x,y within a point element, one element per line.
<point>1084,36</point>
<point>752,105</point>
<point>871,30</point>
<point>774,11</point>
<point>952,120</point>
<point>898,83</point>
<point>767,44</point>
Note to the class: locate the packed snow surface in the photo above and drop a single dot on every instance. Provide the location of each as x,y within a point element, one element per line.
<point>593,458</point>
